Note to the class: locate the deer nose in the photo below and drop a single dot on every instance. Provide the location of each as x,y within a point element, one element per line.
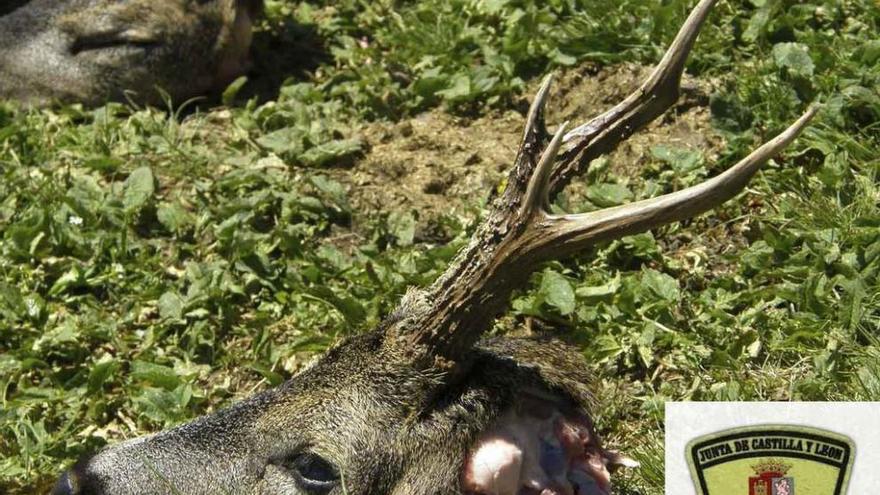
<point>68,484</point>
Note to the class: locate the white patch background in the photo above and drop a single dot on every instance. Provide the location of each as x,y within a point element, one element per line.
<point>857,420</point>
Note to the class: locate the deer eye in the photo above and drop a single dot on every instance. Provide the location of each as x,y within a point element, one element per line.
<point>313,473</point>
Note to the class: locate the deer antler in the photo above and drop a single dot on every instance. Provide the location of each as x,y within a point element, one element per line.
<point>443,321</point>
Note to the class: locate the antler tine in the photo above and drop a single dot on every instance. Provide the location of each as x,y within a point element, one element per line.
<point>570,233</point>
<point>537,197</point>
<point>656,95</point>
<point>536,128</point>
<point>535,137</point>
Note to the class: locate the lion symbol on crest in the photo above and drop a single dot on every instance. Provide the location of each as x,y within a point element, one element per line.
<point>782,486</point>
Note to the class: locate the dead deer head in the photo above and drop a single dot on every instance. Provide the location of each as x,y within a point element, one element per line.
<point>422,405</point>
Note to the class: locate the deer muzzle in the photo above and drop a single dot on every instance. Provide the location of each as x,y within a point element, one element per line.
<point>222,453</point>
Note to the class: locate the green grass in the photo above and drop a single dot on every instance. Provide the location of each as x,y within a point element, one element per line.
<point>155,267</point>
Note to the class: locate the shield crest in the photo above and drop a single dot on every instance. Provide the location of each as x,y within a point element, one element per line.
<point>771,460</point>
<point>770,478</point>
<point>758,486</point>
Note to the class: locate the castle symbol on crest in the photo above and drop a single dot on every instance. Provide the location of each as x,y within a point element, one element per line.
<point>771,478</point>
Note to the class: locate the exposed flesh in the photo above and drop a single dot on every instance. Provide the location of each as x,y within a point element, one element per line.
<point>540,453</point>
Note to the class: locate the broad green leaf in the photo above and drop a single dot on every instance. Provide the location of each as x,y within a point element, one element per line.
<point>403,227</point>
<point>606,347</point>
<point>869,52</point>
<point>561,58</point>
<point>758,22</point>
<point>643,245</point>
<point>557,292</point>
<point>492,6</point>
<point>339,152</point>
<point>729,391</point>
<point>869,377</point>
<point>851,309</point>
<point>171,306</point>
<point>682,160</point>
<point>163,405</point>
<point>156,374</point>
<point>795,57</point>
<point>138,189</point>
<point>285,140</point>
<point>758,256</point>
<point>58,337</point>
<point>600,291</point>
<point>607,194</point>
<point>173,216</point>
<point>862,97</point>
<point>12,304</point>
<point>645,344</point>
<point>349,308</point>
<point>329,187</point>
<point>101,371</point>
<point>272,377</point>
<point>25,234</point>
<point>460,88</point>
<point>660,285</point>
<point>72,277</point>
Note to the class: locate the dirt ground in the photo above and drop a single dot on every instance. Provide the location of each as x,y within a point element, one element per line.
<point>436,164</point>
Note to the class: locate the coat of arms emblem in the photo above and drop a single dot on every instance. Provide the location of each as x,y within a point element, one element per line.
<point>770,478</point>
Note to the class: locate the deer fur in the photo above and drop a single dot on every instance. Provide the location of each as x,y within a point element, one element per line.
<point>91,51</point>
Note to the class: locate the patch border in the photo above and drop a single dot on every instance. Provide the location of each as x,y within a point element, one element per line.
<point>805,432</point>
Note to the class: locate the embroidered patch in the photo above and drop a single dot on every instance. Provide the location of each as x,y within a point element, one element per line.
<point>771,460</point>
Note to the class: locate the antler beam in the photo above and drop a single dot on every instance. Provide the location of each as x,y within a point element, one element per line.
<point>438,325</point>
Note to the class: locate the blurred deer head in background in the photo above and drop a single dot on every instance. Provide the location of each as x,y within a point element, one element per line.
<point>90,51</point>
<point>424,404</point>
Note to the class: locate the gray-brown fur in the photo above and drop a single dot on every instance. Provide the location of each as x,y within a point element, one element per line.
<point>91,51</point>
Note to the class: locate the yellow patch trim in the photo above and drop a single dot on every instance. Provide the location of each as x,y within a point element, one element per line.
<point>771,460</point>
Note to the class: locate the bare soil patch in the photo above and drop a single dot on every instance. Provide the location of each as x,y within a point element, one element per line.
<point>439,164</point>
